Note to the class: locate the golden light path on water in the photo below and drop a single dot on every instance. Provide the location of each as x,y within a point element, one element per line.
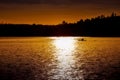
<point>65,48</point>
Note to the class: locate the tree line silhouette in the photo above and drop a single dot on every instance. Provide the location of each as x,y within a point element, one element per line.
<point>100,26</point>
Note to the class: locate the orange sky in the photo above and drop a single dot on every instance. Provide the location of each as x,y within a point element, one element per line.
<point>50,14</point>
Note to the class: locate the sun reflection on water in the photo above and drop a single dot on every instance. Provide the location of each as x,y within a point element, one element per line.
<point>64,54</point>
<point>64,43</point>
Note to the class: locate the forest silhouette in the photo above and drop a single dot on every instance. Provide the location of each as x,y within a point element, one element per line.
<point>99,26</point>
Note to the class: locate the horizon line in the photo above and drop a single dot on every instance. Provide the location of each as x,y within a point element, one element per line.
<point>62,22</point>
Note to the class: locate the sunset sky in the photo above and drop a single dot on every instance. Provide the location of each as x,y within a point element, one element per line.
<point>54,11</point>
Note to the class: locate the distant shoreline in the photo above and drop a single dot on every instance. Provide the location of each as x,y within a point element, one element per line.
<point>100,26</point>
<point>58,36</point>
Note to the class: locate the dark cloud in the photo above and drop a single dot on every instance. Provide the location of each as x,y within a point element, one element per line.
<point>109,2</point>
<point>87,4</point>
<point>34,1</point>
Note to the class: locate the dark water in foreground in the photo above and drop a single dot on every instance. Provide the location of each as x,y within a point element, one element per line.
<point>59,58</point>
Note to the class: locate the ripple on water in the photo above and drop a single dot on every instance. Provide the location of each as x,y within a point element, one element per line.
<point>60,58</point>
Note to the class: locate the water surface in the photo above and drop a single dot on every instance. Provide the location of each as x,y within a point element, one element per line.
<point>59,58</point>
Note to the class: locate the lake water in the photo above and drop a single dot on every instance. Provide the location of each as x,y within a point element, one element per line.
<point>59,58</point>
